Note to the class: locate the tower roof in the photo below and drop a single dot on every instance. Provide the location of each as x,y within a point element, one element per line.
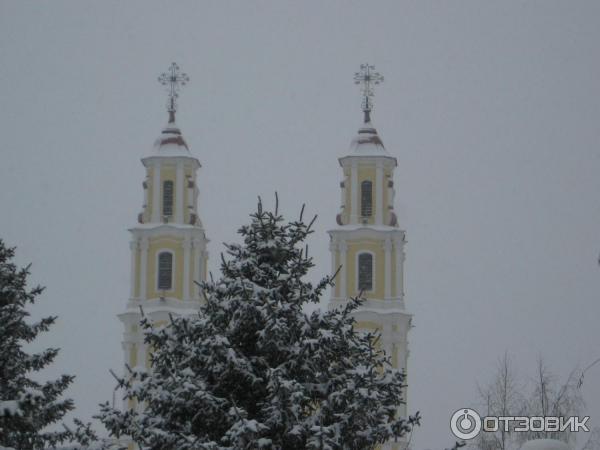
<point>171,141</point>
<point>367,142</point>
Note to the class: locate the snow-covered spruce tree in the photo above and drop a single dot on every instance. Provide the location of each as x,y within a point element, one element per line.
<point>27,407</point>
<point>253,371</point>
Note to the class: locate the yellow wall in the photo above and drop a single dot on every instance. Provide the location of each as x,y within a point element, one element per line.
<point>165,243</point>
<point>168,172</point>
<point>375,247</point>
<point>367,172</point>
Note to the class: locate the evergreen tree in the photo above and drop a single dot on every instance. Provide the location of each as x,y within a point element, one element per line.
<point>27,407</point>
<point>253,371</point>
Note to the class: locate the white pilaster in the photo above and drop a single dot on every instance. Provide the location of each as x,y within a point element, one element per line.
<point>179,189</point>
<point>187,249</point>
<point>196,196</point>
<point>387,248</point>
<point>143,266</point>
<point>190,188</point>
<point>379,193</point>
<point>127,347</point>
<point>386,334</point>
<point>145,185</point>
<point>343,247</point>
<point>141,355</point>
<point>332,250</point>
<point>354,208</point>
<point>202,269</point>
<point>399,250</point>
<point>141,363</point>
<point>203,259</point>
<point>156,188</point>
<point>133,246</point>
<point>198,263</point>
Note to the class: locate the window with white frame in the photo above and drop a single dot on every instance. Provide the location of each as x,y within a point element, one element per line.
<point>365,272</point>
<point>165,271</point>
<point>168,198</point>
<point>366,198</point>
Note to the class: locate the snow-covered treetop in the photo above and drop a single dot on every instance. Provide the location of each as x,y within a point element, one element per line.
<point>253,370</point>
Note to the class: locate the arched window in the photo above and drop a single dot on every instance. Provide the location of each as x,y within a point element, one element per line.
<point>366,198</point>
<point>365,272</point>
<point>165,271</point>
<point>168,198</point>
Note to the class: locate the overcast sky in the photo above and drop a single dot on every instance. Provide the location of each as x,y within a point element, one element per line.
<point>492,109</point>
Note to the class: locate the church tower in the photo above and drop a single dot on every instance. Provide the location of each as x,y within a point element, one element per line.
<point>368,245</point>
<point>168,245</point>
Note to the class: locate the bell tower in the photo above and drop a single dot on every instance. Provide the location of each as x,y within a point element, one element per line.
<point>368,245</point>
<point>168,244</point>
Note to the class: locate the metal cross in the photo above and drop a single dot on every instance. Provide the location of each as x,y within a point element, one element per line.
<point>367,78</point>
<point>173,79</point>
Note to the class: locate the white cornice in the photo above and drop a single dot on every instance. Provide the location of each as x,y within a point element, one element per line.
<point>389,161</point>
<point>150,160</point>
<point>366,231</point>
<point>157,308</point>
<point>390,306</point>
<point>170,229</point>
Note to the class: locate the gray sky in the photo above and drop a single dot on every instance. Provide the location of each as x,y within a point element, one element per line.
<point>492,109</point>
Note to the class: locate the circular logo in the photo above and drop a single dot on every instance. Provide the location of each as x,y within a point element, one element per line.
<point>465,423</point>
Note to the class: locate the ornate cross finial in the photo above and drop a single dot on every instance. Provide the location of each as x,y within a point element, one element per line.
<point>367,78</point>
<point>173,79</point>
